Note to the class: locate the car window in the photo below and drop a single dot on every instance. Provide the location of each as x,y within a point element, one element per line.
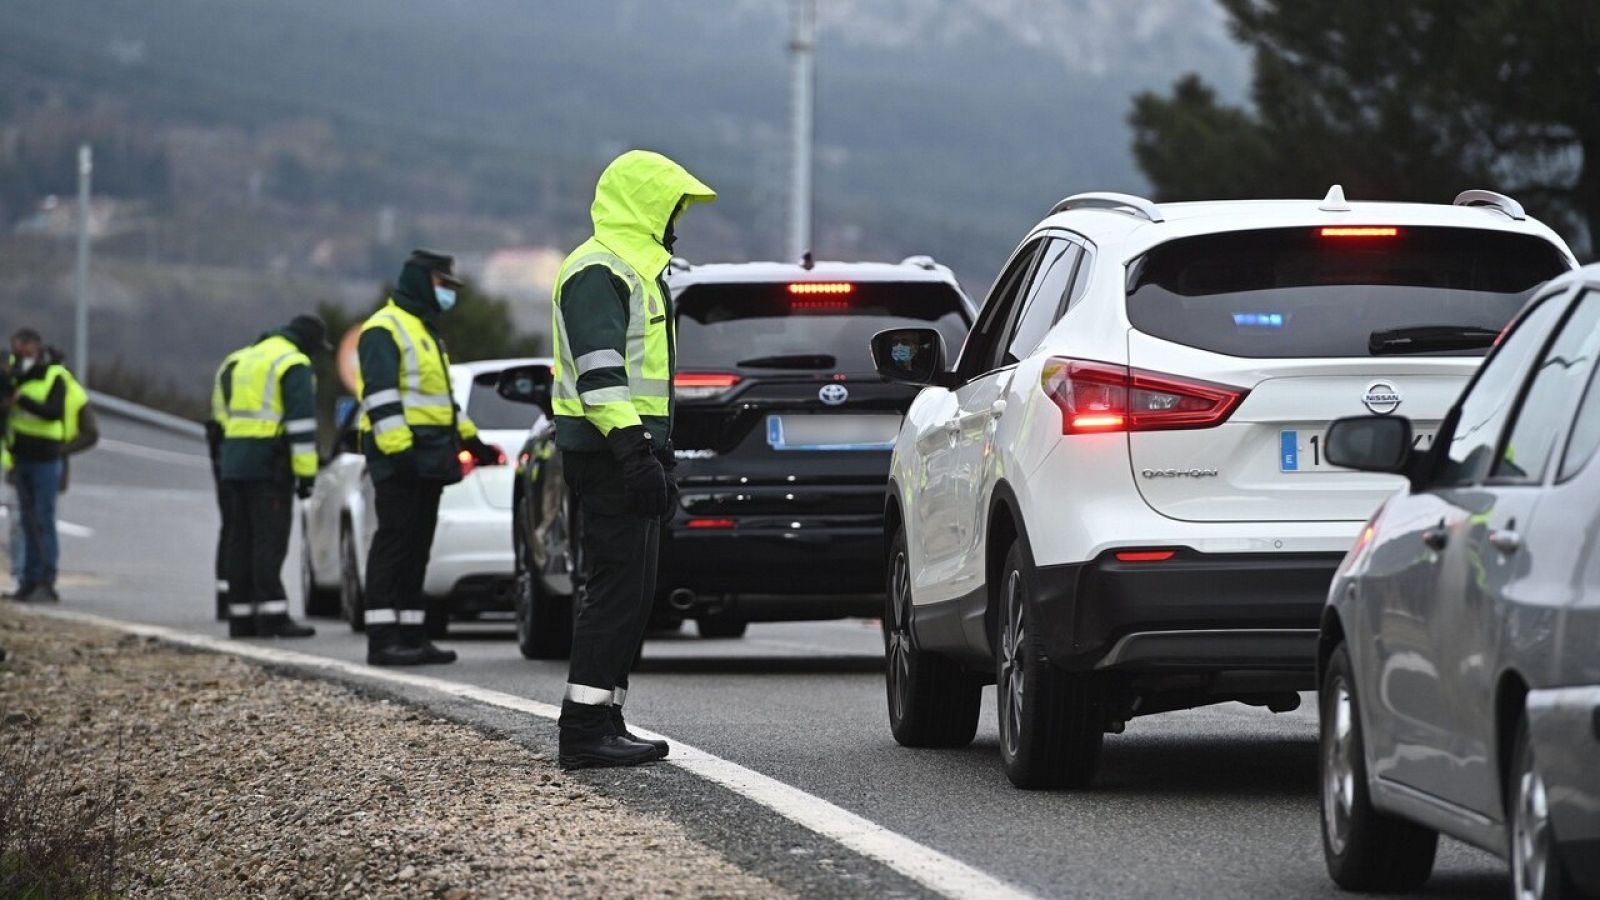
<point>1547,406</point>
<point>1057,261</point>
<point>1080,281</point>
<point>1585,435</point>
<point>982,350</point>
<point>1331,292</point>
<point>1484,409</point>
<point>487,409</point>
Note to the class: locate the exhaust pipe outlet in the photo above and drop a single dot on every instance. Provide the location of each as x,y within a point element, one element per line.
<point>681,599</point>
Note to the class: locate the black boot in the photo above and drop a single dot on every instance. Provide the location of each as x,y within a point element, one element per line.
<point>17,593</point>
<point>583,751</point>
<point>434,655</point>
<point>242,627</point>
<point>281,626</point>
<point>222,602</point>
<point>621,728</point>
<point>386,648</point>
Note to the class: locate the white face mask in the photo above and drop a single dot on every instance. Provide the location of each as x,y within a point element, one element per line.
<point>25,363</point>
<point>446,297</point>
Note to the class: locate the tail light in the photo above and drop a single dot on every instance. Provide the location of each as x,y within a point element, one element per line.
<point>1099,397</point>
<point>469,462</point>
<point>702,385</point>
<point>1359,231</point>
<point>709,523</point>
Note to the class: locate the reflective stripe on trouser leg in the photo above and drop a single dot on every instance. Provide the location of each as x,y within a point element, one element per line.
<point>588,696</point>
<point>381,617</point>
<point>618,696</point>
<point>412,616</point>
<point>241,610</point>
<point>273,608</point>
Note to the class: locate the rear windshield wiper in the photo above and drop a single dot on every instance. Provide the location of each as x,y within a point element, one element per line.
<point>1429,339</point>
<point>790,361</point>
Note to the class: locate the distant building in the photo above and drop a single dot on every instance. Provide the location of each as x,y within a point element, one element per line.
<point>58,217</point>
<point>525,276</point>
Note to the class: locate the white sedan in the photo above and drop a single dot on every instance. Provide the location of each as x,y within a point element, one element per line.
<point>471,568</point>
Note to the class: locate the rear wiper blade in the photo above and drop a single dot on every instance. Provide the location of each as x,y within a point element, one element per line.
<point>790,361</point>
<point>1429,339</point>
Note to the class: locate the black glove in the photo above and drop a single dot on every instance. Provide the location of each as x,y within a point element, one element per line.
<point>668,456</point>
<point>303,487</point>
<point>483,454</point>
<point>644,482</point>
<point>672,497</point>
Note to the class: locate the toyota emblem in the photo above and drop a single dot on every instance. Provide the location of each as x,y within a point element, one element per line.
<point>1381,398</point>
<point>833,394</point>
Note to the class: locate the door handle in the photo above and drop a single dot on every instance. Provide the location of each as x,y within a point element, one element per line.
<point>1437,537</point>
<point>1505,540</point>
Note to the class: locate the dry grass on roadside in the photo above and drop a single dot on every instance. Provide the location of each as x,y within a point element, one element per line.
<point>58,838</point>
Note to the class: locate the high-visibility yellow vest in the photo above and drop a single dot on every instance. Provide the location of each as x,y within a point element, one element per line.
<point>62,430</point>
<point>646,356</point>
<point>219,403</point>
<point>255,401</point>
<point>423,388</point>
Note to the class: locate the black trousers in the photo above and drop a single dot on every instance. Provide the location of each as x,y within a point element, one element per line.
<point>612,608</point>
<point>225,510</point>
<point>408,510</point>
<point>258,542</point>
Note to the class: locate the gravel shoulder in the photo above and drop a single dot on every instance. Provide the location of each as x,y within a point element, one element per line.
<point>234,781</point>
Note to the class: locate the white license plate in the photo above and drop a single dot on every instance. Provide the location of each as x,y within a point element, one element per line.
<point>859,431</point>
<point>1303,451</point>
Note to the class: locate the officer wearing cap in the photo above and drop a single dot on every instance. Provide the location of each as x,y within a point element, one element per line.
<point>412,432</point>
<point>268,455</point>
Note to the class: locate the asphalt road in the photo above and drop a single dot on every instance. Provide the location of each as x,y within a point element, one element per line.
<point>1219,802</point>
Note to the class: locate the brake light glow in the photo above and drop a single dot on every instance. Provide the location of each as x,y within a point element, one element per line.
<point>709,523</point>
<point>468,462</point>
<point>801,288</point>
<point>819,304</point>
<point>1096,397</point>
<point>1145,555</point>
<point>703,385</point>
<point>1360,231</point>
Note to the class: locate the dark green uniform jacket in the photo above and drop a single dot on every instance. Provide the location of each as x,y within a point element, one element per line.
<point>433,448</point>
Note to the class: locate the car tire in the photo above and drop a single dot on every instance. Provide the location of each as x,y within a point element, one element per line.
<point>1052,722</point>
<point>724,624</point>
<point>1365,849</point>
<point>1537,872</point>
<point>544,620</point>
<point>320,602</point>
<point>352,599</point>
<point>932,701</point>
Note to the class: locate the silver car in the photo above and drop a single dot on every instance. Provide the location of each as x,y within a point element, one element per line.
<point>1459,661</point>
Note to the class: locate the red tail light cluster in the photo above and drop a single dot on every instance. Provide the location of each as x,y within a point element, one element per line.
<point>1099,397</point>
<point>702,385</point>
<point>468,462</point>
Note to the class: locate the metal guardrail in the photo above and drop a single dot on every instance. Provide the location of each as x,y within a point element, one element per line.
<point>105,404</point>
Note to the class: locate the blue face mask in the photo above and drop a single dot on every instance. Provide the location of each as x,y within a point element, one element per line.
<point>446,297</point>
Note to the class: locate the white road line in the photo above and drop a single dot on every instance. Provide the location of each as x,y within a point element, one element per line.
<point>72,529</point>
<point>171,456</point>
<point>936,871</point>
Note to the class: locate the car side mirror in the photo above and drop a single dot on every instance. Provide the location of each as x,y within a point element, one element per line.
<point>911,356</point>
<point>526,384</point>
<point>1370,443</point>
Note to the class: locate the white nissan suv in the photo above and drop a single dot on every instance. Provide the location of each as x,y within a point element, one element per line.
<point>1117,502</point>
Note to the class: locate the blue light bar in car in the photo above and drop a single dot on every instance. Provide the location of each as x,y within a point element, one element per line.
<point>1258,320</point>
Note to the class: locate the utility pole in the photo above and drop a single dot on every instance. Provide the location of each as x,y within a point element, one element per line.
<point>80,280</point>
<point>802,46</point>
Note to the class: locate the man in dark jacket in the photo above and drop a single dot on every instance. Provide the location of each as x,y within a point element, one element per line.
<point>35,436</point>
<point>413,433</point>
<point>269,454</point>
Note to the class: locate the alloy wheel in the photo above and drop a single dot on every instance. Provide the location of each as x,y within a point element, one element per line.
<point>1009,681</point>
<point>1338,766</point>
<point>897,635</point>
<point>1530,835</point>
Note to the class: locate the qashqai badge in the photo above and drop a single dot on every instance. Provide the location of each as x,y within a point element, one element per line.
<point>1381,397</point>
<point>833,394</point>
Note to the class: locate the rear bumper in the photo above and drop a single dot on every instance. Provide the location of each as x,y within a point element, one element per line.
<point>1196,612</point>
<point>472,563</point>
<point>1564,724</point>
<point>792,556</point>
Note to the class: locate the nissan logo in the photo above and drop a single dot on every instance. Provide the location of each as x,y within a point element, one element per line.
<point>833,394</point>
<point>1381,398</point>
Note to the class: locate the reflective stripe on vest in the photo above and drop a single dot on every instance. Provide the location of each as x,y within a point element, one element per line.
<point>424,379</point>
<point>219,405</point>
<point>649,386</point>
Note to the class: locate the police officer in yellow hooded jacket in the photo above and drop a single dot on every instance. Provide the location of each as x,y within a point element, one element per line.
<point>612,399</point>
<point>269,454</point>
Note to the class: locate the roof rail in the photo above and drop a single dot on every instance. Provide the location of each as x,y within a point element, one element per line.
<point>1123,203</point>
<point>921,261</point>
<point>1489,198</point>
